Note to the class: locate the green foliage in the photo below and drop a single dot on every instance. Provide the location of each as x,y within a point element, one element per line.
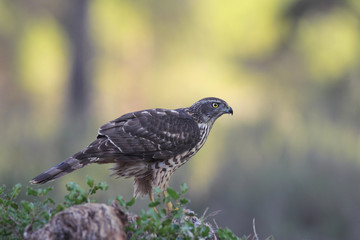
<point>179,224</point>
<point>78,195</point>
<point>226,233</point>
<point>15,215</point>
<point>123,203</point>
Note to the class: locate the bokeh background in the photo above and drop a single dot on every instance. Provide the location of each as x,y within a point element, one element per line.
<point>290,69</point>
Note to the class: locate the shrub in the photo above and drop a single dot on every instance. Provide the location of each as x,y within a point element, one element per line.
<point>180,223</point>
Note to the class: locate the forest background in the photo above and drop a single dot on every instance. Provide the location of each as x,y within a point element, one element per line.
<point>290,69</point>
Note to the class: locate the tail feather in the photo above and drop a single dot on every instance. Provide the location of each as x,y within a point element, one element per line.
<point>63,168</point>
<point>99,151</point>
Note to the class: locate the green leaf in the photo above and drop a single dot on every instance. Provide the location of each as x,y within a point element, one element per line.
<point>31,192</point>
<point>26,206</point>
<point>15,190</point>
<point>225,233</point>
<point>162,212</point>
<point>121,200</point>
<point>45,191</point>
<point>71,186</point>
<point>184,201</point>
<point>166,222</point>
<point>103,186</point>
<point>154,204</point>
<point>178,214</point>
<point>2,188</point>
<point>6,202</point>
<point>205,231</point>
<point>184,188</point>
<point>48,200</point>
<point>46,215</point>
<point>81,199</point>
<point>89,181</point>
<point>14,205</point>
<point>59,208</point>
<point>172,193</point>
<point>131,202</point>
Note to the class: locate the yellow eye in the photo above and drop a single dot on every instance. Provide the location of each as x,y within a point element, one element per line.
<point>215,105</point>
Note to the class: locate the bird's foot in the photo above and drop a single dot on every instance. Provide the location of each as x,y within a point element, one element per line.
<point>152,200</point>
<point>169,207</point>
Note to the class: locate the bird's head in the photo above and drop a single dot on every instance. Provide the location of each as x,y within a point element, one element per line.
<point>209,109</point>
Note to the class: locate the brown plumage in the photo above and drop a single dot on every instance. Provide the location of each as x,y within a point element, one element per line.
<point>148,145</point>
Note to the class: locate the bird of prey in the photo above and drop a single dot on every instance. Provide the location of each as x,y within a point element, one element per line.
<point>148,145</point>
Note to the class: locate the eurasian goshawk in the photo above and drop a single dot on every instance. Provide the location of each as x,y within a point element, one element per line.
<point>148,145</point>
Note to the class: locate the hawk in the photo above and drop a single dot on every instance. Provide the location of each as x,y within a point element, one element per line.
<point>148,145</point>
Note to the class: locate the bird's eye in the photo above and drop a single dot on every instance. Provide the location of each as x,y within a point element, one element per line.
<point>215,105</point>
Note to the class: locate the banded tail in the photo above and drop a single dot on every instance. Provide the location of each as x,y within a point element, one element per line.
<point>73,163</point>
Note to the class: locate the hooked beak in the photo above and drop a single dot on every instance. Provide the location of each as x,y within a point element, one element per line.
<point>229,110</point>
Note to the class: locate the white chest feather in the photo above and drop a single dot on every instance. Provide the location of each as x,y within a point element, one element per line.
<point>163,170</point>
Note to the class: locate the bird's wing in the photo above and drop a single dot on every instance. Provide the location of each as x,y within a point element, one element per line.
<point>153,134</point>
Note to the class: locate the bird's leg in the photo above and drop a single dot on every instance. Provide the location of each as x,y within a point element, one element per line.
<point>169,205</point>
<point>152,200</point>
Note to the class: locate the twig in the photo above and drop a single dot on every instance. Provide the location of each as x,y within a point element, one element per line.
<point>254,229</point>
<point>217,226</point>
<point>203,215</point>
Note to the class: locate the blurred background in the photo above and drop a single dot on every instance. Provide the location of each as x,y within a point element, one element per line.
<point>290,69</point>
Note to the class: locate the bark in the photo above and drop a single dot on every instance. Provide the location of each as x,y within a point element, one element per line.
<point>86,221</point>
<point>79,80</point>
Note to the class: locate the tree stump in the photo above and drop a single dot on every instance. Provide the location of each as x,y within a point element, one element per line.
<point>87,221</point>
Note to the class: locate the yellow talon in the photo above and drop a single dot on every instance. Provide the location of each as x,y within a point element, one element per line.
<point>169,205</point>
<point>152,200</point>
